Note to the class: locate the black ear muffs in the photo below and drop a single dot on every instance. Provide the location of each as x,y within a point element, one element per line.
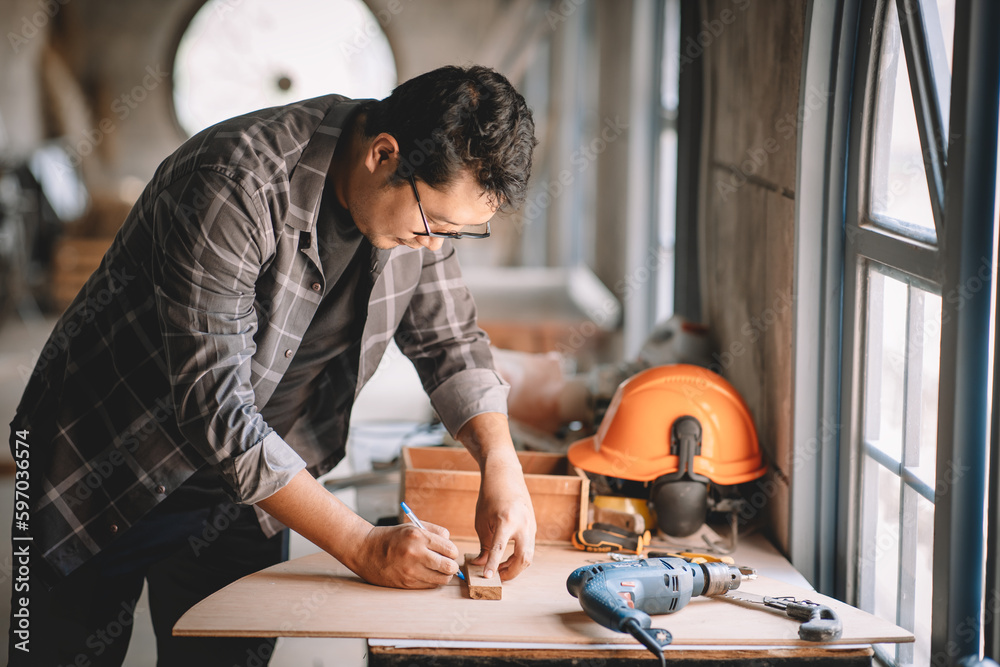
<point>681,505</point>
<point>681,498</point>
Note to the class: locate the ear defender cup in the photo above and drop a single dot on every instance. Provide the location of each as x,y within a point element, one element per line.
<point>681,505</point>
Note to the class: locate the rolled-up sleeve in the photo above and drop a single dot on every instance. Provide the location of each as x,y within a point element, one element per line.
<point>467,394</point>
<point>207,258</point>
<point>452,354</point>
<point>265,468</point>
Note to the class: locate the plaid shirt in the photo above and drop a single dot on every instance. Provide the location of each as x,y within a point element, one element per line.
<point>163,361</point>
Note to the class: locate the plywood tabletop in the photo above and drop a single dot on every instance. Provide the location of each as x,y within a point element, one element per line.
<point>316,596</point>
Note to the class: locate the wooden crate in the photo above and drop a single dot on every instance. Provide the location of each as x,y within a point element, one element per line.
<point>441,485</point>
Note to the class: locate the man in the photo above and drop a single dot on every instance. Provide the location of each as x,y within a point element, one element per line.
<point>216,353</point>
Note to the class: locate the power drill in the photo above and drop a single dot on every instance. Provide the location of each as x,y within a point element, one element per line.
<point>621,596</point>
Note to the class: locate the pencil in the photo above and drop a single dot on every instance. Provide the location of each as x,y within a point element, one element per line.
<point>416,522</point>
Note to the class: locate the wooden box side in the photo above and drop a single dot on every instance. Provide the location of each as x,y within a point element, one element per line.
<point>458,458</point>
<point>447,496</point>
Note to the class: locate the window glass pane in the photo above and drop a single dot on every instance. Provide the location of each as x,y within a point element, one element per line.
<point>899,195</point>
<point>939,23</point>
<point>924,581</point>
<point>887,545</point>
<point>283,58</point>
<point>946,20</point>
<point>886,361</point>
<point>879,565</point>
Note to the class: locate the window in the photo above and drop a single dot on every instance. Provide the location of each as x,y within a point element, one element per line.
<point>896,230</point>
<point>918,258</point>
<point>237,56</point>
<point>893,264</point>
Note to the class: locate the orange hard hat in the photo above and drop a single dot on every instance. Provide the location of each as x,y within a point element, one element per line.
<point>634,439</point>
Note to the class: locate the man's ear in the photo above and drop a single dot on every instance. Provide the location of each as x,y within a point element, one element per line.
<point>383,151</point>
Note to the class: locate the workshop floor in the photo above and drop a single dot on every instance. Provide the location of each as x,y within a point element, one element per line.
<point>20,344</point>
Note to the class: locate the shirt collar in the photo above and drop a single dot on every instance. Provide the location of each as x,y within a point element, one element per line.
<point>309,176</point>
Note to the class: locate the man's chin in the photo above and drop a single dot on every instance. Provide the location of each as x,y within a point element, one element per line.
<point>390,242</point>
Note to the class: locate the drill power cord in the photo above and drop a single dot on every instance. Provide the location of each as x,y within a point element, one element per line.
<point>633,627</point>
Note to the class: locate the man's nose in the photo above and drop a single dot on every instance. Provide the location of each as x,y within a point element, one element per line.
<point>430,242</point>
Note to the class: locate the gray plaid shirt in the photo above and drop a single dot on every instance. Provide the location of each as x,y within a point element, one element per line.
<point>163,361</point>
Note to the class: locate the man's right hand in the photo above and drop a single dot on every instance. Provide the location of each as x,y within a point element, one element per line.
<point>406,557</point>
<point>399,556</point>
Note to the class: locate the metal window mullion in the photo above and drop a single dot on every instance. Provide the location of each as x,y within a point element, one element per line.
<point>930,124</point>
<point>912,480</point>
<point>907,475</point>
<point>913,385</point>
<point>912,258</point>
<point>871,385</point>
<point>907,584</point>
<point>881,457</point>
<point>912,409</point>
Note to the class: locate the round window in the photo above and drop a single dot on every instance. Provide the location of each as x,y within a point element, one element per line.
<point>240,55</point>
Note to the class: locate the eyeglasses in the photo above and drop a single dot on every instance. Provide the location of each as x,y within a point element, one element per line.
<point>444,235</point>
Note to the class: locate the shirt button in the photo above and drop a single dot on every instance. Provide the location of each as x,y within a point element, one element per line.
<point>316,287</point>
<point>288,354</point>
<point>113,528</point>
<point>161,489</point>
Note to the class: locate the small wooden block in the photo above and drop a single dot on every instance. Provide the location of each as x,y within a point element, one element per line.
<point>481,588</point>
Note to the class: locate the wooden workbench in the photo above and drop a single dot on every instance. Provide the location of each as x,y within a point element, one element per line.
<point>384,654</point>
<point>538,620</point>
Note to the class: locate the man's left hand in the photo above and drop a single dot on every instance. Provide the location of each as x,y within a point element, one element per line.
<point>503,511</point>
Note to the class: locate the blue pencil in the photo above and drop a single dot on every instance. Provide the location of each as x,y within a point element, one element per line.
<point>416,522</point>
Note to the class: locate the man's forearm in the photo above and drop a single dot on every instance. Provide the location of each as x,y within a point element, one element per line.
<point>310,510</point>
<point>503,510</point>
<point>487,437</point>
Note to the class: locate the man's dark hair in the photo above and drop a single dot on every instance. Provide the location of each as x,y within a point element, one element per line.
<point>456,118</point>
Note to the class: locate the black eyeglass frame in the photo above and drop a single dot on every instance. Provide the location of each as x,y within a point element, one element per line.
<point>443,235</point>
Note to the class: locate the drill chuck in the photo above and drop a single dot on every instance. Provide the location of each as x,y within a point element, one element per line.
<point>720,578</point>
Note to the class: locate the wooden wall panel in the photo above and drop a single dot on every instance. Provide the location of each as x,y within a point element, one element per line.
<point>752,65</point>
<point>758,56</point>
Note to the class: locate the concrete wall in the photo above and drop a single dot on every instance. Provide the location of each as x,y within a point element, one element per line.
<point>752,56</point>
